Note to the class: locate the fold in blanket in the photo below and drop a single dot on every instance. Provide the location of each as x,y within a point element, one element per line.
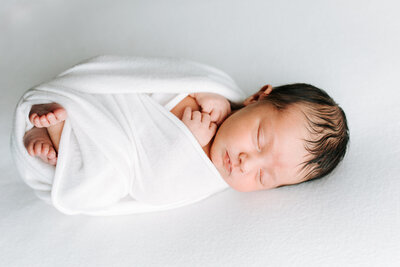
<point>120,151</point>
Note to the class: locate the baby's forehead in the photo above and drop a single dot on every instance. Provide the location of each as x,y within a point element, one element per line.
<point>295,113</point>
<point>292,121</point>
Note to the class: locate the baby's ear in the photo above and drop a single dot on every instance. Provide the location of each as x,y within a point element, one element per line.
<point>266,89</point>
<point>262,93</point>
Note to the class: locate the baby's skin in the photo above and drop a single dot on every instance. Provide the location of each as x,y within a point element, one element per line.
<point>43,139</point>
<point>48,120</point>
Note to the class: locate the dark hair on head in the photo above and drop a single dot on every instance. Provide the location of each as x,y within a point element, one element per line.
<point>326,121</point>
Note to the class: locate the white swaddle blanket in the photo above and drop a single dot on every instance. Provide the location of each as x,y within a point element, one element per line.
<point>120,151</point>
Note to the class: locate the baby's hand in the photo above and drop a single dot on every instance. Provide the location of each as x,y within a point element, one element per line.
<point>200,125</point>
<point>214,104</point>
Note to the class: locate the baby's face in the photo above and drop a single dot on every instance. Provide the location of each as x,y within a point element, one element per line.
<point>265,147</point>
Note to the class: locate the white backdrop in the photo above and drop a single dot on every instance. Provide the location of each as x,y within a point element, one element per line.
<point>348,48</point>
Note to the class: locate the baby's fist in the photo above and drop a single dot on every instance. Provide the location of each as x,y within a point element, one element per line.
<point>200,125</point>
<point>214,104</point>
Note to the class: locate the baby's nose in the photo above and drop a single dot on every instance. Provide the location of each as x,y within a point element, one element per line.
<point>248,163</point>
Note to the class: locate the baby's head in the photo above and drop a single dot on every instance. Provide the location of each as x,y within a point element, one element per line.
<point>280,136</point>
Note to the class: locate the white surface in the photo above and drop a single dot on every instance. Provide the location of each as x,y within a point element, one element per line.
<point>349,48</point>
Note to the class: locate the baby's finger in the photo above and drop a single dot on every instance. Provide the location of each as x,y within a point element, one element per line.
<point>215,114</point>
<point>213,127</point>
<point>196,115</point>
<point>205,118</point>
<point>187,114</point>
<point>206,108</point>
<point>220,119</point>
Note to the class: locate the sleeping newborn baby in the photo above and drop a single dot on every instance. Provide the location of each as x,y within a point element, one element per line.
<point>278,136</point>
